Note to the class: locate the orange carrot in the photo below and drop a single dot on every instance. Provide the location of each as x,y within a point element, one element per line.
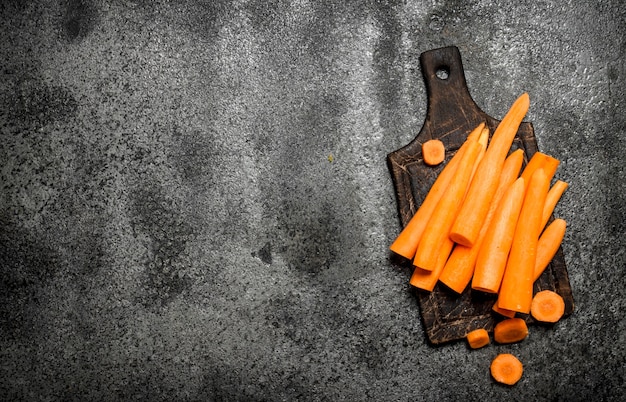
<point>547,306</point>
<point>494,251</point>
<point>553,197</point>
<point>439,224</point>
<point>543,161</point>
<point>506,369</point>
<point>503,312</point>
<point>548,244</point>
<point>460,266</point>
<point>516,290</point>
<point>510,330</point>
<point>477,338</point>
<point>406,242</point>
<point>426,280</point>
<point>472,214</point>
<point>433,152</point>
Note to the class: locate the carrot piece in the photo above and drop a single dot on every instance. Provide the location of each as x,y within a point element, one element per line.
<point>460,266</point>
<point>547,306</point>
<point>472,214</point>
<point>492,257</point>
<point>553,197</point>
<point>503,312</point>
<point>477,338</point>
<point>433,152</point>
<point>426,280</point>
<point>406,242</point>
<point>516,289</point>
<point>549,166</point>
<point>539,160</point>
<point>548,244</point>
<point>510,330</point>
<point>506,369</point>
<point>438,227</point>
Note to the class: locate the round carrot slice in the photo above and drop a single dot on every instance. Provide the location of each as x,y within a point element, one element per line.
<point>433,152</point>
<point>506,369</point>
<point>547,306</point>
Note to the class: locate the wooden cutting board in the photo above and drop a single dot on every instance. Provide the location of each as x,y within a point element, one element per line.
<point>451,115</point>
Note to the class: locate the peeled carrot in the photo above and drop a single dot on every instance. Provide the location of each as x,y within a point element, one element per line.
<point>553,197</point>
<point>477,338</point>
<point>460,266</point>
<point>516,289</point>
<point>503,312</point>
<point>439,224</point>
<point>547,306</point>
<point>426,280</point>
<point>539,160</point>
<point>510,330</point>
<point>548,244</point>
<point>494,251</point>
<point>433,152</point>
<point>406,242</point>
<point>506,369</point>
<point>472,214</point>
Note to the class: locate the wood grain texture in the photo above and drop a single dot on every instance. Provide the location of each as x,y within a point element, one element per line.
<point>451,115</point>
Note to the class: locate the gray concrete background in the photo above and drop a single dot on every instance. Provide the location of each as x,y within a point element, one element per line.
<point>195,205</point>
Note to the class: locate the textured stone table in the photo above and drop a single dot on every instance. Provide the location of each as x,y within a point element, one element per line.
<point>195,205</point>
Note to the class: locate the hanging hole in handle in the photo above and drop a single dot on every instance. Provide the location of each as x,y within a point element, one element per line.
<point>442,73</point>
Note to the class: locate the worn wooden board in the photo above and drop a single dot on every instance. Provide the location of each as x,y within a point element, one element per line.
<point>451,115</point>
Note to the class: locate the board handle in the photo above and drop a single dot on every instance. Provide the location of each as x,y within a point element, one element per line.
<point>448,95</point>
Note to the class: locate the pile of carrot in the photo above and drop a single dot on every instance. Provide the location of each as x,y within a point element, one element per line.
<point>486,223</point>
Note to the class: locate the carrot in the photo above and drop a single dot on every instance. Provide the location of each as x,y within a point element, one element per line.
<point>547,306</point>
<point>543,161</point>
<point>426,280</point>
<point>553,197</point>
<point>439,224</point>
<point>548,244</point>
<point>510,330</point>
<point>494,251</point>
<point>406,242</point>
<point>477,338</point>
<point>506,369</point>
<point>433,152</point>
<point>503,312</point>
<point>516,289</point>
<point>460,266</point>
<point>472,214</point>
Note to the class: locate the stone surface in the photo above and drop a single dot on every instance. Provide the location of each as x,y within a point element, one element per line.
<point>195,205</point>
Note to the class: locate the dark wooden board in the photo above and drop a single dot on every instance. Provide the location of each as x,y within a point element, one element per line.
<point>451,115</point>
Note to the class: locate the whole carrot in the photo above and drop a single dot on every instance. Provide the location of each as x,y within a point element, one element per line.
<point>439,224</point>
<point>469,220</point>
<point>516,290</point>
<point>494,251</point>
<point>460,266</point>
<point>406,242</point>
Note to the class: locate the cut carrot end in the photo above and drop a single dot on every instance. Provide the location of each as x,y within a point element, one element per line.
<point>477,338</point>
<point>433,152</point>
<point>547,306</point>
<point>503,312</point>
<point>506,369</point>
<point>510,330</point>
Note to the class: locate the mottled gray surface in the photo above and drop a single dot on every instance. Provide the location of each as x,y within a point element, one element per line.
<point>194,201</point>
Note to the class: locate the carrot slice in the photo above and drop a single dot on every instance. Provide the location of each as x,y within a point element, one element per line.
<point>477,338</point>
<point>460,266</point>
<point>439,224</point>
<point>433,152</point>
<point>510,330</point>
<point>483,187</point>
<point>547,306</point>
<point>548,245</point>
<point>406,242</point>
<point>516,289</point>
<point>506,369</point>
<point>493,254</point>
<point>553,197</point>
